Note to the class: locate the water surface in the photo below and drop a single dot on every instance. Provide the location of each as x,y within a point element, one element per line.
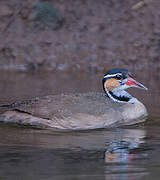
<point>121,153</point>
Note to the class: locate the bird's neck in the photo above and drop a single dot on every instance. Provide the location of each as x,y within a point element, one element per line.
<point>121,96</point>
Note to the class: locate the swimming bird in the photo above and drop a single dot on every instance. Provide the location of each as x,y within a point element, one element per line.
<point>115,107</point>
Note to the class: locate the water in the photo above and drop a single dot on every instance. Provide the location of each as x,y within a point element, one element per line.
<point>116,154</point>
<point>106,154</point>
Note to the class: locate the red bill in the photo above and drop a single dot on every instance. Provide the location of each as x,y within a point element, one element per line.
<point>134,83</point>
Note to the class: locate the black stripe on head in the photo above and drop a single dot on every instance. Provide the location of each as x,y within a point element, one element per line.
<point>118,74</point>
<point>116,70</point>
<point>119,98</point>
<point>103,83</point>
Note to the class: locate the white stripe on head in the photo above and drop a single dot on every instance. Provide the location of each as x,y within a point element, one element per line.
<point>112,75</point>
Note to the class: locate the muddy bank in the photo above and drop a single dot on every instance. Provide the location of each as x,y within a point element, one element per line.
<point>85,35</point>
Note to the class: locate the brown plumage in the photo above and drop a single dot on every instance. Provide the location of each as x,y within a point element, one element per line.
<point>74,112</point>
<point>112,83</point>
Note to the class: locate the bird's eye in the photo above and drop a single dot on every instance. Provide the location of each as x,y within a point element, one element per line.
<point>119,76</point>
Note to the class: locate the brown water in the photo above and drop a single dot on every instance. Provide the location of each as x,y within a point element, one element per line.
<point>121,153</point>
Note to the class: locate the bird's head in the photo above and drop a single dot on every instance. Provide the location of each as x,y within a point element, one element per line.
<point>115,82</point>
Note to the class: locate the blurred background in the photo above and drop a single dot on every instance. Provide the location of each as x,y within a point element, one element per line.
<point>66,46</point>
<point>82,35</point>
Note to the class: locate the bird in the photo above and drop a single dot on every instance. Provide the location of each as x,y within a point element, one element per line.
<point>82,111</point>
<point>116,81</point>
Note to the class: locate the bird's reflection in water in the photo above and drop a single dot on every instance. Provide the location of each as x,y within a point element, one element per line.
<point>125,155</point>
